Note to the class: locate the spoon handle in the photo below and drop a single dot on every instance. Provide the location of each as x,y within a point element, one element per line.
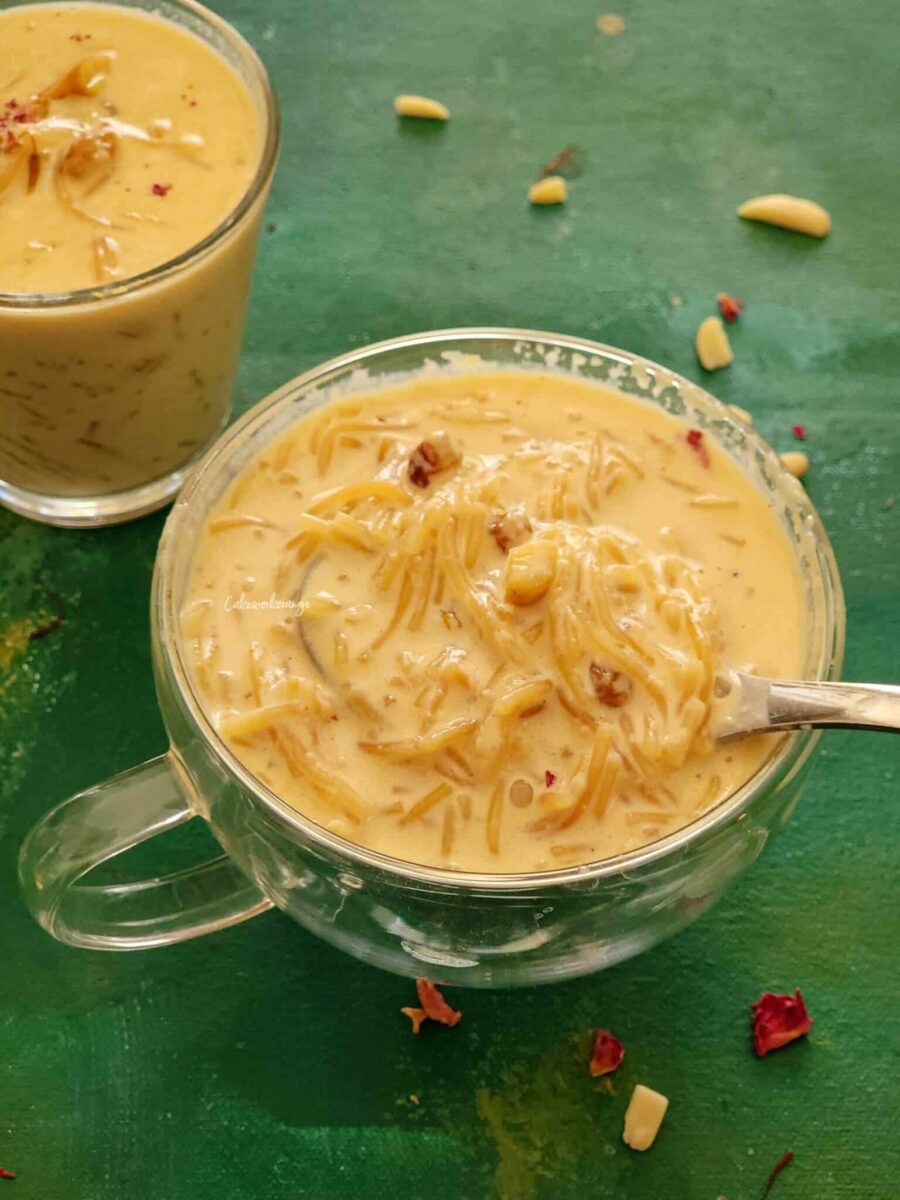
<point>845,705</point>
<point>772,704</point>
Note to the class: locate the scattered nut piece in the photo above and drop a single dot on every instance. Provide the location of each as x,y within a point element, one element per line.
<point>796,462</point>
<point>510,529</point>
<point>530,569</point>
<point>421,106</point>
<point>431,456</point>
<point>551,190</point>
<point>741,413</point>
<point>713,346</point>
<point>643,1117</point>
<point>612,688</point>
<point>611,24</point>
<point>789,212</point>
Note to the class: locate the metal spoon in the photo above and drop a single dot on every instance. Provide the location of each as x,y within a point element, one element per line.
<point>764,705</point>
<point>758,705</point>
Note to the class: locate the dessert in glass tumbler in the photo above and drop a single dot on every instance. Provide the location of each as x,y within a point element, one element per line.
<point>476,620</point>
<point>128,142</point>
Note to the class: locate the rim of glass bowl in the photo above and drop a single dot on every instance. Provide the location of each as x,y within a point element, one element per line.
<point>828,654</point>
<point>260,180</point>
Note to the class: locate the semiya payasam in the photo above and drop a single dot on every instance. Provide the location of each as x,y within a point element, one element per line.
<point>477,620</point>
<point>124,140</point>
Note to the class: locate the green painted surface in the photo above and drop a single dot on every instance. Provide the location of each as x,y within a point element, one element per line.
<point>261,1064</point>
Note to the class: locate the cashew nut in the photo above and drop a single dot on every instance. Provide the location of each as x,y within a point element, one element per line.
<point>552,190</point>
<point>790,212</point>
<point>421,106</point>
<point>713,346</point>
<point>643,1117</point>
<point>796,462</point>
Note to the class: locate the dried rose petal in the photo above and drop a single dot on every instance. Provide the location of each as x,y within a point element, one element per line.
<point>417,1016</point>
<point>730,307</point>
<point>161,189</point>
<point>608,1053</point>
<point>567,162</point>
<point>435,1006</point>
<point>694,438</point>
<point>777,1020</point>
<point>799,432</point>
<point>785,1161</point>
<point>549,779</point>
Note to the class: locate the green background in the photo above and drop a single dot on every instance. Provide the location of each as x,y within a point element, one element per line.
<point>260,1064</point>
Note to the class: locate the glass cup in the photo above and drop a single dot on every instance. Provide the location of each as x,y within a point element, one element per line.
<point>469,929</point>
<point>109,394</point>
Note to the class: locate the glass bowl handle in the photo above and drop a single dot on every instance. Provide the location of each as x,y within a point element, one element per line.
<point>104,821</point>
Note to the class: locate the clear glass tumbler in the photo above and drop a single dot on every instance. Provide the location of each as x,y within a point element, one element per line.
<point>108,394</point>
<point>469,929</point>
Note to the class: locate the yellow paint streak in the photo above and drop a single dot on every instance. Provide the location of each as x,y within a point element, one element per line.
<point>14,641</point>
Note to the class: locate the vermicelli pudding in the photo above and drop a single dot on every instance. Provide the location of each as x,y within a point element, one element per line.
<point>477,620</point>
<point>135,152</point>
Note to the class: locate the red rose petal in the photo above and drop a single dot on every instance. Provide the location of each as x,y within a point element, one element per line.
<point>730,307</point>
<point>161,189</point>
<point>777,1020</point>
<point>436,1007</point>
<point>608,1053</point>
<point>799,432</point>
<point>694,438</point>
<point>433,1007</point>
<point>549,779</point>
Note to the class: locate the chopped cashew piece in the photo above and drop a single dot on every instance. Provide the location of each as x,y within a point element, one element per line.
<point>790,212</point>
<point>713,346</point>
<point>421,106</point>
<point>796,462</point>
<point>643,1117</point>
<point>552,190</point>
<point>509,529</point>
<point>430,457</point>
<point>530,569</point>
